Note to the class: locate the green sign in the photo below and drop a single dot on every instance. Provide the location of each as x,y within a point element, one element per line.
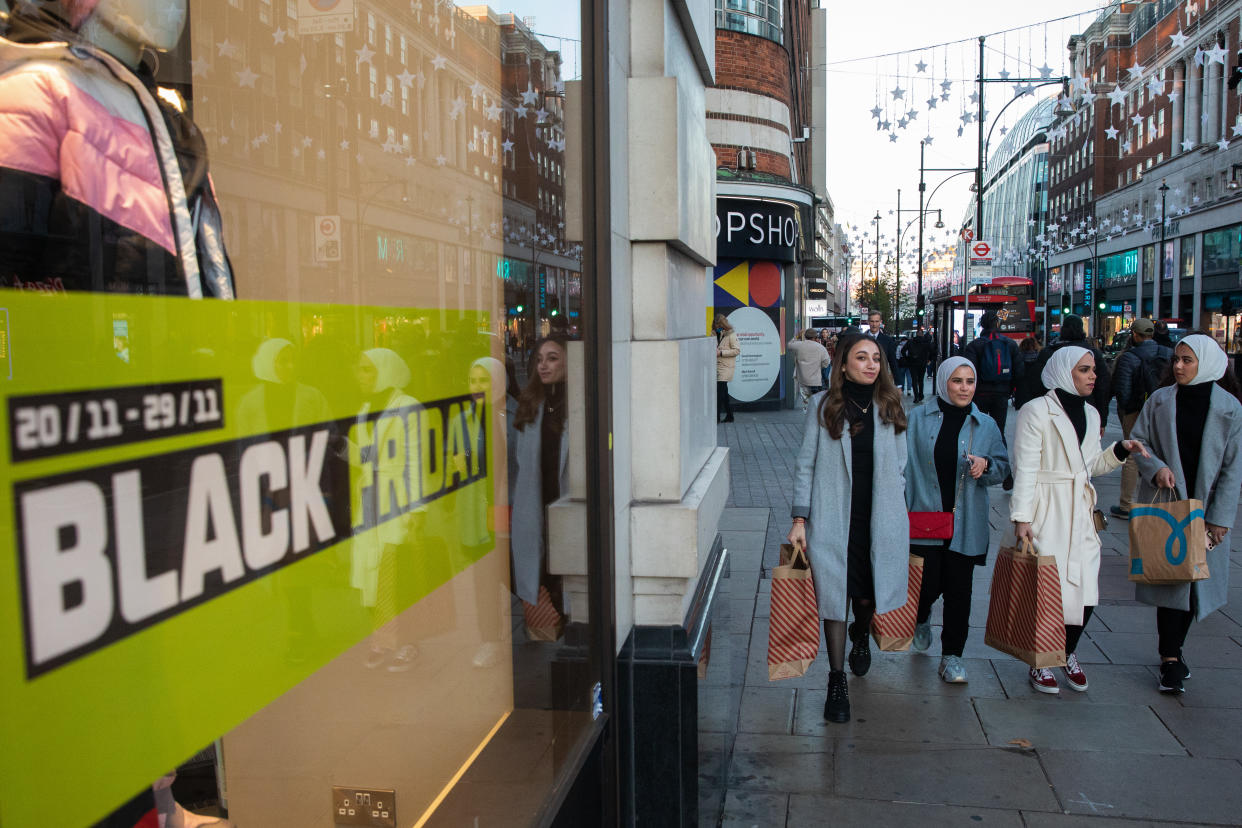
<point>197,495</point>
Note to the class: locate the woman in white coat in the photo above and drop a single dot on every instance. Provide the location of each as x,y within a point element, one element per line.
<point>1194,429</point>
<point>1056,452</point>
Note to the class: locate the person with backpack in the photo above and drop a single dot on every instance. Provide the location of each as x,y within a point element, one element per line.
<point>1029,388</point>
<point>1140,370</point>
<point>999,368</point>
<point>918,353</point>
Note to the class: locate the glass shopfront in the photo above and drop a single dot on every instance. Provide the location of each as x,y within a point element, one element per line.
<point>293,337</point>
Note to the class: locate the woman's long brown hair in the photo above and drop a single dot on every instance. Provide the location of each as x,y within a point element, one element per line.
<point>887,397</point>
<point>532,396</point>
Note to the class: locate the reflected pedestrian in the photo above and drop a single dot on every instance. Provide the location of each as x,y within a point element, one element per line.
<point>1194,429</point>
<point>849,479</point>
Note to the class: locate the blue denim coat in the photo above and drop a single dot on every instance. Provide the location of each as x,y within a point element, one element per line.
<point>971,530</point>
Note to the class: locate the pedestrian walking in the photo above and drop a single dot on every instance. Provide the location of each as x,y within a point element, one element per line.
<point>1073,335</point>
<point>727,349</point>
<point>1029,387</point>
<point>849,478</point>
<point>1055,454</point>
<point>902,378</point>
<point>810,359</point>
<point>918,354</point>
<point>1194,429</point>
<point>1139,371</point>
<point>888,345</point>
<point>1000,371</point>
<point>955,452</point>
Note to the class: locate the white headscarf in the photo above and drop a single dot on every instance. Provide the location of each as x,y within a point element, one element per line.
<point>496,370</point>
<point>945,371</point>
<point>1213,362</point>
<point>1059,372</point>
<point>390,369</point>
<point>263,363</point>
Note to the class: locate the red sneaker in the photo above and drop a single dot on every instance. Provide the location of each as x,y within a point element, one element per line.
<point>1043,680</point>
<point>1074,675</point>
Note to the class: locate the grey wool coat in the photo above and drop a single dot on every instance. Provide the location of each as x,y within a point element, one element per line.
<point>528,536</point>
<point>979,434</point>
<point>1218,486</point>
<point>821,494</point>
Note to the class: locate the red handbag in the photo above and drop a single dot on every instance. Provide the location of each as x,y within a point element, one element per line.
<point>939,525</point>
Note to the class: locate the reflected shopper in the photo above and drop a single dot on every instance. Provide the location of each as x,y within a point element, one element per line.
<point>955,454</point>
<point>1194,429</point>
<point>849,513</point>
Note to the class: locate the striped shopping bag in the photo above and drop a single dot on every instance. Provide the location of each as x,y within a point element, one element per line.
<point>793,625</point>
<point>894,630</point>
<point>543,621</point>
<point>1025,617</point>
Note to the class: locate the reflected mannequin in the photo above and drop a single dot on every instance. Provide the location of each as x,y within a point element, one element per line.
<point>539,475</point>
<point>75,99</point>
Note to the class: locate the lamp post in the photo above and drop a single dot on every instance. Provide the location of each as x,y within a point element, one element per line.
<point>876,222</point>
<point>1155,294</point>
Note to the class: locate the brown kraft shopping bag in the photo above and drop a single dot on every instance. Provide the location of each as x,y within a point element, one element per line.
<point>1168,542</point>
<point>894,630</point>
<point>793,628</point>
<point>543,621</point>
<point>1025,616</point>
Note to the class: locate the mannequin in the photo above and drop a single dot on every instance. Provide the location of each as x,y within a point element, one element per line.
<point>103,185</point>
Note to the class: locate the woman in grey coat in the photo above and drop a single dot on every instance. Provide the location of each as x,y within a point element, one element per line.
<point>955,454</point>
<point>849,512</point>
<point>1194,429</point>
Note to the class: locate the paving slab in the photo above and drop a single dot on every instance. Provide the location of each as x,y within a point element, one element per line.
<point>1038,820</point>
<point>893,717</point>
<point>783,743</point>
<point>1137,648</point>
<point>1175,788</point>
<point>1098,727</point>
<point>781,771</point>
<point>718,709</point>
<point>727,663</point>
<point>1208,687</point>
<point>753,809</point>
<point>766,710</point>
<point>916,673</point>
<point>741,542</point>
<point>1208,733</point>
<point>745,519</point>
<point>987,777</point>
<point>1142,619</point>
<point>810,809</point>
<point>1108,684</point>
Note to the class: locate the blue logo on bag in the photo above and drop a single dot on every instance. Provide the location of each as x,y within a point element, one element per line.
<point>1177,533</point>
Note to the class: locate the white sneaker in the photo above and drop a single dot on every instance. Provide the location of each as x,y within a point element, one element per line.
<point>952,670</point>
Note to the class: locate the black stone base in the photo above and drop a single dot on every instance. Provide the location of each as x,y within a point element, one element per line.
<point>657,710</point>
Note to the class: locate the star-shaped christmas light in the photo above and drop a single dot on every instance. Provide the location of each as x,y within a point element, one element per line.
<point>1155,86</point>
<point>405,79</point>
<point>1217,55</point>
<point>1135,70</point>
<point>279,35</point>
<point>1045,71</point>
<point>1003,74</point>
<point>226,49</point>
<point>1117,96</point>
<point>1223,143</point>
<point>921,66</point>
<point>246,77</point>
<point>946,85</point>
<point>898,93</point>
<point>892,137</point>
<point>932,101</point>
<point>493,112</point>
<point>438,62</point>
<point>1179,40</point>
<point>877,112</point>
<point>199,67</point>
<point>363,55</point>
<point>1111,134</point>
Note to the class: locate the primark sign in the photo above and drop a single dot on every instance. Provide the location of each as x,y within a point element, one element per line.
<point>756,230</point>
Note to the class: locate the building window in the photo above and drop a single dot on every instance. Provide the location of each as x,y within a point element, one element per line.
<point>756,17</point>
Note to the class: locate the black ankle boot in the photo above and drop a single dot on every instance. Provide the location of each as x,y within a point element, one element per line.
<point>860,654</point>
<point>837,706</point>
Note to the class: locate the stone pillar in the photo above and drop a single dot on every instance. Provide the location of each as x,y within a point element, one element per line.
<point>1213,86</point>
<point>1194,101</point>
<point>1198,282</point>
<point>1178,108</point>
<point>1175,297</point>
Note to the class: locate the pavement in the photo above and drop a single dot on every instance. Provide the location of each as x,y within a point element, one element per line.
<point>921,752</point>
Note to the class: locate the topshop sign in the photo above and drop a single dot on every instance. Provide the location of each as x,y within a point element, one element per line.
<point>756,230</point>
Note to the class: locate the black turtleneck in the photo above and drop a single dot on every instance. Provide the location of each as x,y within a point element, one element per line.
<point>1074,409</point>
<point>551,429</point>
<point>948,463</point>
<point>1192,411</point>
<point>859,405</point>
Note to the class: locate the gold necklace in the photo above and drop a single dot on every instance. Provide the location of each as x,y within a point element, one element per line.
<point>862,410</point>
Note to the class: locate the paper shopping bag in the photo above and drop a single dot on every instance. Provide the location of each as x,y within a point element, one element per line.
<point>1025,616</point>
<point>793,628</point>
<point>1168,542</point>
<point>544,621</point>
<point>894,630</point>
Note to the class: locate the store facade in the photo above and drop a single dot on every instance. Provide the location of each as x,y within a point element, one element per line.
<point>333,489</point>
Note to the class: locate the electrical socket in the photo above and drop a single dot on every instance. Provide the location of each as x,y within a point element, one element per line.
<point>372,807</point>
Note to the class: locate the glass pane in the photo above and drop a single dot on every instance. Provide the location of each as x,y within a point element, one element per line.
<point>310,541</point>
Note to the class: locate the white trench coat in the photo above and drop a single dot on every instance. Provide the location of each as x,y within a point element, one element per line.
<point>1052,491</point>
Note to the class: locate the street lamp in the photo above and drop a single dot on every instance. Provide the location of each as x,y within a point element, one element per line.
<point>876,222</point>
<point>1155,294</point>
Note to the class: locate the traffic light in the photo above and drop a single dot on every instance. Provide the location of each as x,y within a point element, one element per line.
<point>921,311</point>
<point>1103,306</point>
<point>1066,310</point>
<point>520,308</point>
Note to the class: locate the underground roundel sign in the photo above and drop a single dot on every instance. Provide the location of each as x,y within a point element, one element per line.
<point>981,250</point>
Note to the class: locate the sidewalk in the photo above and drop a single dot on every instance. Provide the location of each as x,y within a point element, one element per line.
<point>991,752</point>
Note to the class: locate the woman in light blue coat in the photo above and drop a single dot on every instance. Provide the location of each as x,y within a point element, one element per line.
<point>1194,431</point>
<point>848,512</point>
<point>955,453</point>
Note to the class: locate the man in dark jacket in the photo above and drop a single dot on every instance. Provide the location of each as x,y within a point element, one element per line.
<point>886,342</point>
<point>1074,333</point>
<point>1137,373</point>
<point>998,370</point>
<point>918,352</point>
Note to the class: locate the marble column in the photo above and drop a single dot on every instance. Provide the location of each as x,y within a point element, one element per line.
<point>1213,86</point>
<point>1194,100</point>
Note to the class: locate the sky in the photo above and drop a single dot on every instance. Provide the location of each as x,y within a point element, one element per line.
<point>865,167</point>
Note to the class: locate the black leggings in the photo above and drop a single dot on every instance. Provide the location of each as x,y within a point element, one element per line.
<point>1073,632</point>
<point>724,403</point>
<point>1172,625</point>
<point>835,631</point>
<point>952,575</point>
